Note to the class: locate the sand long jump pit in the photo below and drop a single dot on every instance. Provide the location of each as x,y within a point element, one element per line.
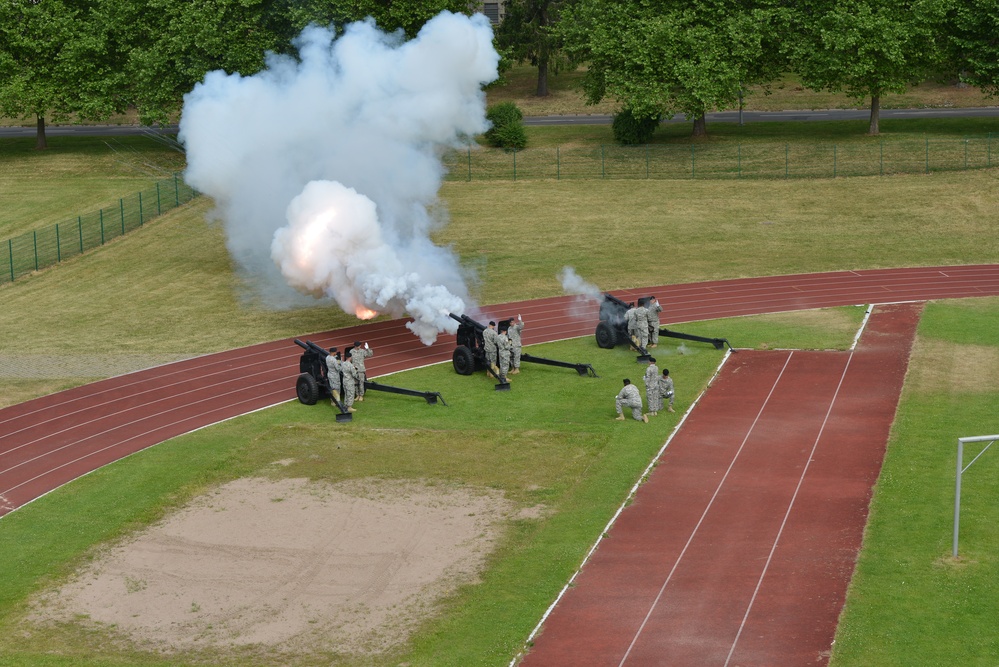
<point>287,565</point>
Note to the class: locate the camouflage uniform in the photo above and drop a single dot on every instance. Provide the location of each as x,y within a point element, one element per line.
<point>349,384</point>
<point>642,326</point>
<point>516,327</point>
<point>333,375</point>
<point>357,356</point>
<point>666,388</point>
<point>654,310</point>
<point>630,398</point>
<point>505,347</point>
<point>489,342</point>
<point>653,394</point>
<point>629,319</point>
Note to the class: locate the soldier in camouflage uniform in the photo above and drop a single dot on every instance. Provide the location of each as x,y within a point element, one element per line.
<point>504,347</point>
<point>654,310</point>
<point>630,398</point>
<point>666,388</point>
<point>629,320</point>
<point>349,384</point>
<point>358,353</point>
<point>642,326</point>
<point>653,393</point>
<point>333,373</point>
<point>513,332</point>
<point>489,342</point>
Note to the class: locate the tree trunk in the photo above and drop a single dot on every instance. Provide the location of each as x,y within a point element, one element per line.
<point>40,143</point>
<point>875,115</point>
<point>701,126</point>
<point>543,77</point>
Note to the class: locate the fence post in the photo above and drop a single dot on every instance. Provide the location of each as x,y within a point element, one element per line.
<point>469,162</point>
<point>159,210</point>
<point>140,210</point>
<point>34,235</point>
<point>10,254</point>
<point>102,226</point>
<point>79,226</point>
<point>176,189</point>
<point>58,245</point>
<point>558,164</point>
<point>121,210</point>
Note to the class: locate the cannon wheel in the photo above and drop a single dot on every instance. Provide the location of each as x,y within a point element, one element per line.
<point>606,336</point>
<point>464,362</point>
<point>307,389</point>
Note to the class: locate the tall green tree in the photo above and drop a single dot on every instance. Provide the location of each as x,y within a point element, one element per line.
<point>866,48</point>
<point>390,15</point>
<point>972,32</point>
<point>57,61</point>
<point>674,56</point>
<point>528,34</point>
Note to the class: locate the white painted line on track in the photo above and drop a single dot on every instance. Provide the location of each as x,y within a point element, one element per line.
<point>627,499</point>
<point>790,506</point>
<point>704,514</point>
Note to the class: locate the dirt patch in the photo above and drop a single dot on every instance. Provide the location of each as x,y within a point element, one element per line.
<point>942,367</point>
<point>288,564</point>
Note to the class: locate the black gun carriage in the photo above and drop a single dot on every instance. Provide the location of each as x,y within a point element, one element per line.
<point>313,382</point>
<point>612,330</point>
<point>470,353</point>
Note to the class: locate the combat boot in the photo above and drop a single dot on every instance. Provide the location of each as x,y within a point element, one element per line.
<point>645,418</point>
<point>352,409</point>
<point>336,395</point>
<point>619,418</point>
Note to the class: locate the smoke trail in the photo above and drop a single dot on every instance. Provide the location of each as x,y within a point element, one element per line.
<point>572,283</point>
<point>325,169</point>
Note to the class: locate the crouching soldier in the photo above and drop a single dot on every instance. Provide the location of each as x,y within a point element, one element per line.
<point>630,397</point>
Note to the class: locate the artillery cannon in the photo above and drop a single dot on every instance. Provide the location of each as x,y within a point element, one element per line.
<point>470,353</point>
<point>612,330</point>
<point>313,382</point>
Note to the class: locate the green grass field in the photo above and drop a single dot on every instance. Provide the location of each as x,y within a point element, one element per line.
<point>168,289</point>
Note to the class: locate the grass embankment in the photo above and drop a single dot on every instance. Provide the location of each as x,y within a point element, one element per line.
<point>76,175</point>
<point>550,442</point>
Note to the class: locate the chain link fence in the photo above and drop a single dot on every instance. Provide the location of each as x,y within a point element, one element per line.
<point>47,246</point>
<point>759,160</point>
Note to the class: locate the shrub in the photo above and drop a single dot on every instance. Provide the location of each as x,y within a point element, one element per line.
<point>631,130</point>
<point>507,129</point>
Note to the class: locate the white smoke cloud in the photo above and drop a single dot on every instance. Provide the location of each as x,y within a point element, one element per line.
<point>572,283</point>
<point>325,168</point>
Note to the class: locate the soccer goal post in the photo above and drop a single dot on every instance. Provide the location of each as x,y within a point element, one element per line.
<point>961,468</point>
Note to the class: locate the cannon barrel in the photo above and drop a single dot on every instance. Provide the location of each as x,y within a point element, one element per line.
<point>467,321</point>
<point>613,299</point>
<point>312,347</point>
<point>581,369</point>
<point>719,343</point>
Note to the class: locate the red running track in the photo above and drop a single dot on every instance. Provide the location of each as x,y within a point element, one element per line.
<point>739,548</point>
<point>52,440</point>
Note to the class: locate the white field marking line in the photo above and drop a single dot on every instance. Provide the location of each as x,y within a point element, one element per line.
<point>787,513</point>
<point>863,325</point>
<point>707,509</point>
<point>135,421</point>
<point>112,446</point>
<point>627,499</point>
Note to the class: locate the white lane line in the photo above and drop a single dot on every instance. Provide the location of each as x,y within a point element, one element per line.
<point>704,514</point>
<point>787,513</point>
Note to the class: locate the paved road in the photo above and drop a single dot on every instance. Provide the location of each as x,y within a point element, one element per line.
<point>595,119</point>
